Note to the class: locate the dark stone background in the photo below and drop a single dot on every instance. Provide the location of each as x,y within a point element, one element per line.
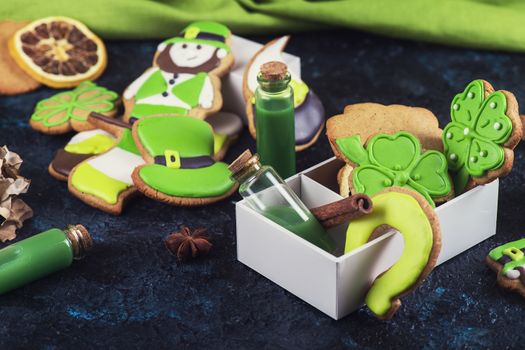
<point>130,293</point>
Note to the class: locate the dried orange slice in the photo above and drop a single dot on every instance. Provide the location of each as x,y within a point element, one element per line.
<point>58,52</point>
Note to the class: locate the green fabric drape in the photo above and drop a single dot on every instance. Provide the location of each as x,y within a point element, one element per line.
<point>489,24</point>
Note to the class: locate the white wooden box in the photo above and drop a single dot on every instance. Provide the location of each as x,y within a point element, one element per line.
<point>337,285</point>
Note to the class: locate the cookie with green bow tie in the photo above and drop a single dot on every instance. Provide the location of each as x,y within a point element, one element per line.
<point>480,139</point>
<point>395,160</point>
<point>180,165</point>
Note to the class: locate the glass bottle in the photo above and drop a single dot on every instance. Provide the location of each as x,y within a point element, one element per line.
<point>268,194</point>
<point>41,255</point>
<point>274,118</point>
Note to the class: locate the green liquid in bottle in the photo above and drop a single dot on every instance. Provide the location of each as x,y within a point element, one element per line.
<point>276,136</point>
<point>35,257</point>
<point>309,229</point>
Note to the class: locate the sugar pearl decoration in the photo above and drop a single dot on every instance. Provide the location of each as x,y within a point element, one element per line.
<point>497,126</point>
<point>455,106</point>
<point>470,95</point>
<point>466,131</point>
<point>453,156</point>
<point>492,105</point>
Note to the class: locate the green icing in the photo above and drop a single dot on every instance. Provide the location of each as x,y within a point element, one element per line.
<point>300,90</point>
<point>396,160</point>
<point>191,32</point>
<point>127,142</point>
<point>145,110</point>
<point>89,180</point>
<point>473,139</point>
<point>190,90</point>
<point>212,181</point>
<point>154,85</point>
<point>218,141</point>
<point>513,251</point>
<point>94,145</point>
<point>189,136</point>
<point>402,212</point>
<point>74,105</point>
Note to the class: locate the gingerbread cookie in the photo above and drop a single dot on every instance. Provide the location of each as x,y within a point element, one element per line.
<point>309,111</point>
<point>226,130</point>
<point>14,80</point>
<point>58,51</point>
<point>395,160</point>
<point>368,119</point>
<point>82,146</point>
<point>480,139</point>
<point>180,168</point>
<point>508,261</point>
<point>104,181</point>
<point>69,110</point>
<point>184,79</point>
<point>409,213</point>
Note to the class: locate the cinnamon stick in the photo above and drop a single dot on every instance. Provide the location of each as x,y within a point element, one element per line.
<point>344,210</point>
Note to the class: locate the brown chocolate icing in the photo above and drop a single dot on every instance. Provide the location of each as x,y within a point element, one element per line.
<point>64,161</point>
<point>108,120</point>
<point>166,64</point>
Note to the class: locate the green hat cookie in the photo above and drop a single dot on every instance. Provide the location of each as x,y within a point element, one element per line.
<point>181,169</point>
<point>206,33</point>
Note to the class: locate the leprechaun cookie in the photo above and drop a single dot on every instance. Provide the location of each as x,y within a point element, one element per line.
<point>395,160</point>
<point>409,213</point>
<point>480,139</point>
<point>82,146</point>
<point>69,110</point>
<point>184,79</point>
<point>180,168</point>
<point>59,52</point>
<point>104,181</point>
<point>309,111</point>
<point>508,261</point>
<point>14,80</point>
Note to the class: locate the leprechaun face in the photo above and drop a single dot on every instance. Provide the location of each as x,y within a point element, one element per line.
<point>186,54</point>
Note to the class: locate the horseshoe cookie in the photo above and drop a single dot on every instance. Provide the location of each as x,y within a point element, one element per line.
<point>309,111</point>
<point>409,213</point>
<point>180,167</point>
<point>185,76</point>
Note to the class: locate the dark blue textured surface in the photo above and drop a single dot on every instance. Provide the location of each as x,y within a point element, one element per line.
<point>130,293</point>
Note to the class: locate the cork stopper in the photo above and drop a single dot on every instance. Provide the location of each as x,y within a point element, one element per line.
<point>244,164</point>
<point>80,239</point>
<point>274,70</point>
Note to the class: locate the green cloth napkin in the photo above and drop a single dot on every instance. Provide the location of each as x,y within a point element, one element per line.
<point>489,24</point>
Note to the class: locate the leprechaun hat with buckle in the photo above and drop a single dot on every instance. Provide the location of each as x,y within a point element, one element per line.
<point>180,168</point>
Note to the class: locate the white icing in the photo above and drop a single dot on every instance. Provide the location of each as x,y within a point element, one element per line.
<point>117,164</point>
<point>188,54</point>
<point>207,94</point>
<point>225,123</point>
<point>513,274</point>
<point>84,135</point>
<point>132,89</point>
<point>272,52</point>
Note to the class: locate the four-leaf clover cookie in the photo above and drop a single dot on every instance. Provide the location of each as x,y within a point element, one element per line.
<point>396,160</point>
<point>480,139</point>
<point>69,110</point>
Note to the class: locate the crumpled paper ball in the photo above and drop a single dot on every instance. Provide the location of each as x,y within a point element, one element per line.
<point>13,210</point>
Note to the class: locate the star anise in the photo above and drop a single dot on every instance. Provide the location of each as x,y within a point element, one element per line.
<point>187,244</point>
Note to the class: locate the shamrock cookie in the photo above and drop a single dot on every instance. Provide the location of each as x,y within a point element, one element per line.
<point>82,146</point>
<point>59,52</point>
<point>180,168</point>
<point>14,80</point>
<point>480,139</point>
<point>508,261</point>
<point>104,181</point>
<point>309,111</point>
<point>409,213</point>
<point>396,160</point>
<point>184,79</point>
<point>69,110</point>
